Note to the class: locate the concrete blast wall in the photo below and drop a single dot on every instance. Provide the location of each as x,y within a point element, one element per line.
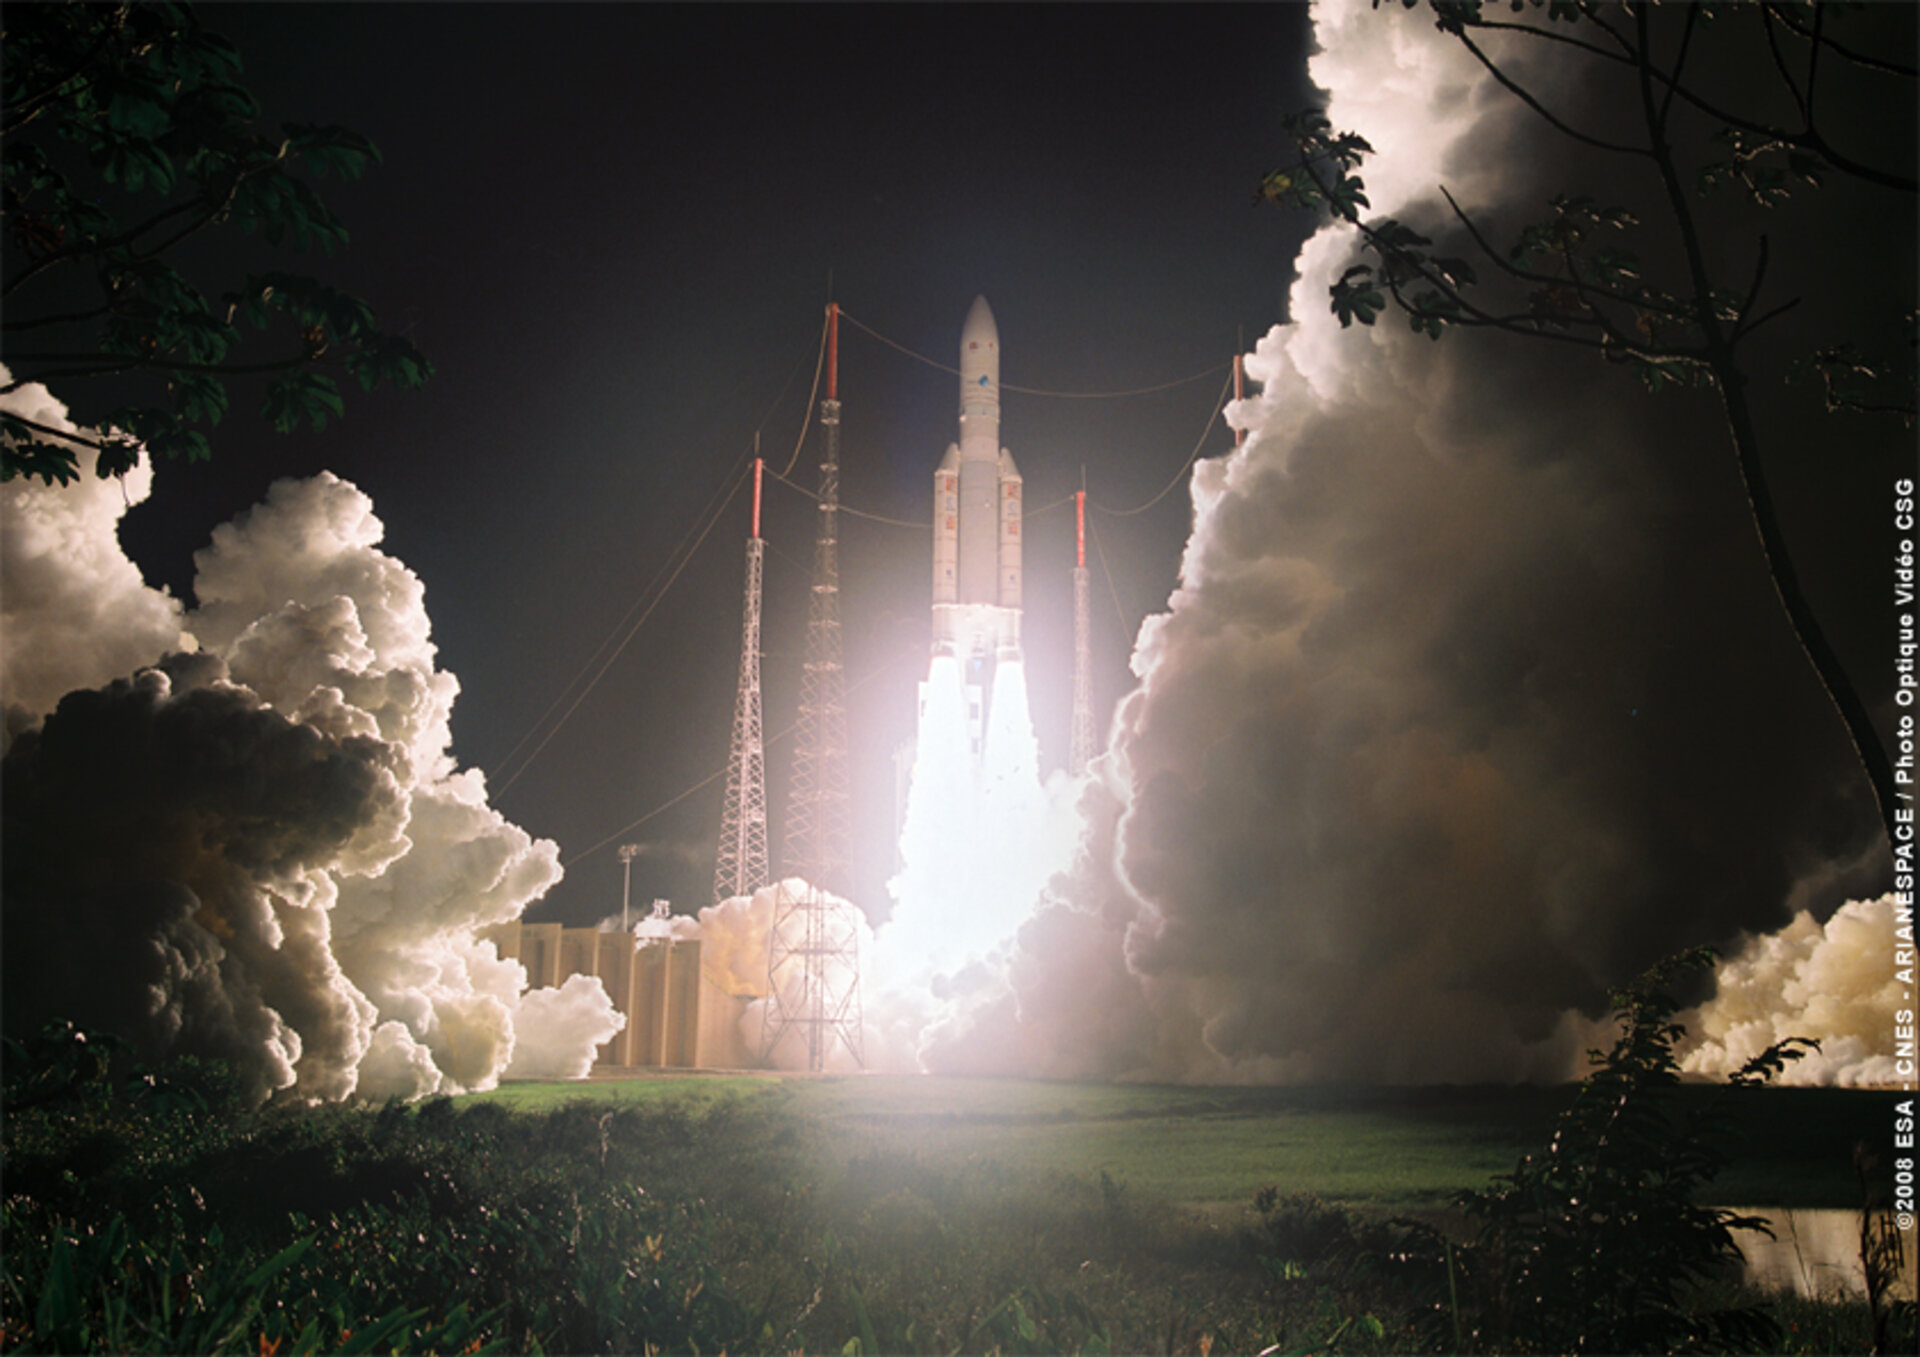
<point>677,1016</point>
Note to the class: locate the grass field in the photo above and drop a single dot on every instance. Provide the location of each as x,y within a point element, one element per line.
<point>757,1213</point>
<point>1383,1149</point>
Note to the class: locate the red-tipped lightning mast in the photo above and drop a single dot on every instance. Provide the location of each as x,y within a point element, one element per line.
<point>741,865</point>
<point>1080,751</point>
<point>1080,529</point>
<point>813,951</point>
<point>833,351</point>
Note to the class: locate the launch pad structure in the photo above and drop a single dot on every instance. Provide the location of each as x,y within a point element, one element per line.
<point>813,942</point>
<point>813,975</point>
<point>680,1014</point>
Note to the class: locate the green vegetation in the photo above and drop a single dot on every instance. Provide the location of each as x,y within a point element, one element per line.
<point>1600,1243</point>
<point>1385,1149</point>
<point>155,1211</point>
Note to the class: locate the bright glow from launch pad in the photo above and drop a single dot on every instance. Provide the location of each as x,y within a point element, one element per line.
<point>980,840</point>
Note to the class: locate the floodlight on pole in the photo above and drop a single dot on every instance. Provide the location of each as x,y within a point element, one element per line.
<point>628,852</point>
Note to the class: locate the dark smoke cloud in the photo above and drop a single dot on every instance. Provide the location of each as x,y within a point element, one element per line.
<point>163,841</point>
<point>1442,740</point>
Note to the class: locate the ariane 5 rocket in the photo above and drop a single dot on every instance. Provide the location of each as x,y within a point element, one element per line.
<point>976,517</point>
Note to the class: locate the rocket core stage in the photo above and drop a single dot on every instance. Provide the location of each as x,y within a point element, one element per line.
<point>976,514</point>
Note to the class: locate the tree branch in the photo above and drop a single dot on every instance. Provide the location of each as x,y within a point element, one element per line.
<point>1813,60</point>
<point>1679,61</point>
<point>1805,625</point>
<point>1777,312</point>
<point>71,317</point>
<point>131,362</point>
<point>1806,139</point>
<point>1753,288</point>
<point>1527,98</point>
<point>25,109</point>
<point>1871,63</point>
<point>1554,35</point>
<point>1612,341</point>
<point>1800,101</point>
<point>124,240</point>
<point>43,377</point>
<point>1639,302</point>
<point>206,218</point>
<point>62,434</point>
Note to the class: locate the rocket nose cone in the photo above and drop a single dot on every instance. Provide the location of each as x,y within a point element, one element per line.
<point>979,324</point>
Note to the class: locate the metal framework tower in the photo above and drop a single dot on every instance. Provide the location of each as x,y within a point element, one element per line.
<point>816,831</point>
<point>1081,752</point>
<point>813,974</point>
<point>740,867</point>
<point>813,952</point>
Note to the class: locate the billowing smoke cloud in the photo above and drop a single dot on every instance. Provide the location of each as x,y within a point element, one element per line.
<point>166,843</point>
<point>1472,700</point>
<point>75,612</point>
<point>1832,984</point>
<point>258,846</point>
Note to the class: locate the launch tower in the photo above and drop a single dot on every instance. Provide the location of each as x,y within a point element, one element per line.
<point>813,946</point>
<point>740,867</point>
<point>817,806</point>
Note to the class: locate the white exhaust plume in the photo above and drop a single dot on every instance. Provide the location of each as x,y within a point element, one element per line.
<point>259,847</point>
<point>1840,984</point>
<point>980,842</point>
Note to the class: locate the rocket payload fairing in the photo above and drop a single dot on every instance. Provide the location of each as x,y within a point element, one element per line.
<point>976,518</point>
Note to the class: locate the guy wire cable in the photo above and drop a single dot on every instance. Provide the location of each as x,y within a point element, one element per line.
<point>713,519</point>
<point>885,666</point>
<point>1029,390</point>
<point>738,472</point>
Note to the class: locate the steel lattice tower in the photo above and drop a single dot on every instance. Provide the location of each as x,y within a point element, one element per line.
<point>740,868</point>
<point>816,831</point>
<point>811,931</point>
<point>1082,751</point>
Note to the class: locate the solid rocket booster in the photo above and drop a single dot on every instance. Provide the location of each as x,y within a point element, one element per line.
<point>976,508</point>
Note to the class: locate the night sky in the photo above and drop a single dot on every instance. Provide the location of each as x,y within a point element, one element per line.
<point>614,230</point>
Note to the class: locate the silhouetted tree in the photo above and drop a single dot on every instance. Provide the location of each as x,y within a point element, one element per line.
<point>124,138</point>
<point>1598,1243</point>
